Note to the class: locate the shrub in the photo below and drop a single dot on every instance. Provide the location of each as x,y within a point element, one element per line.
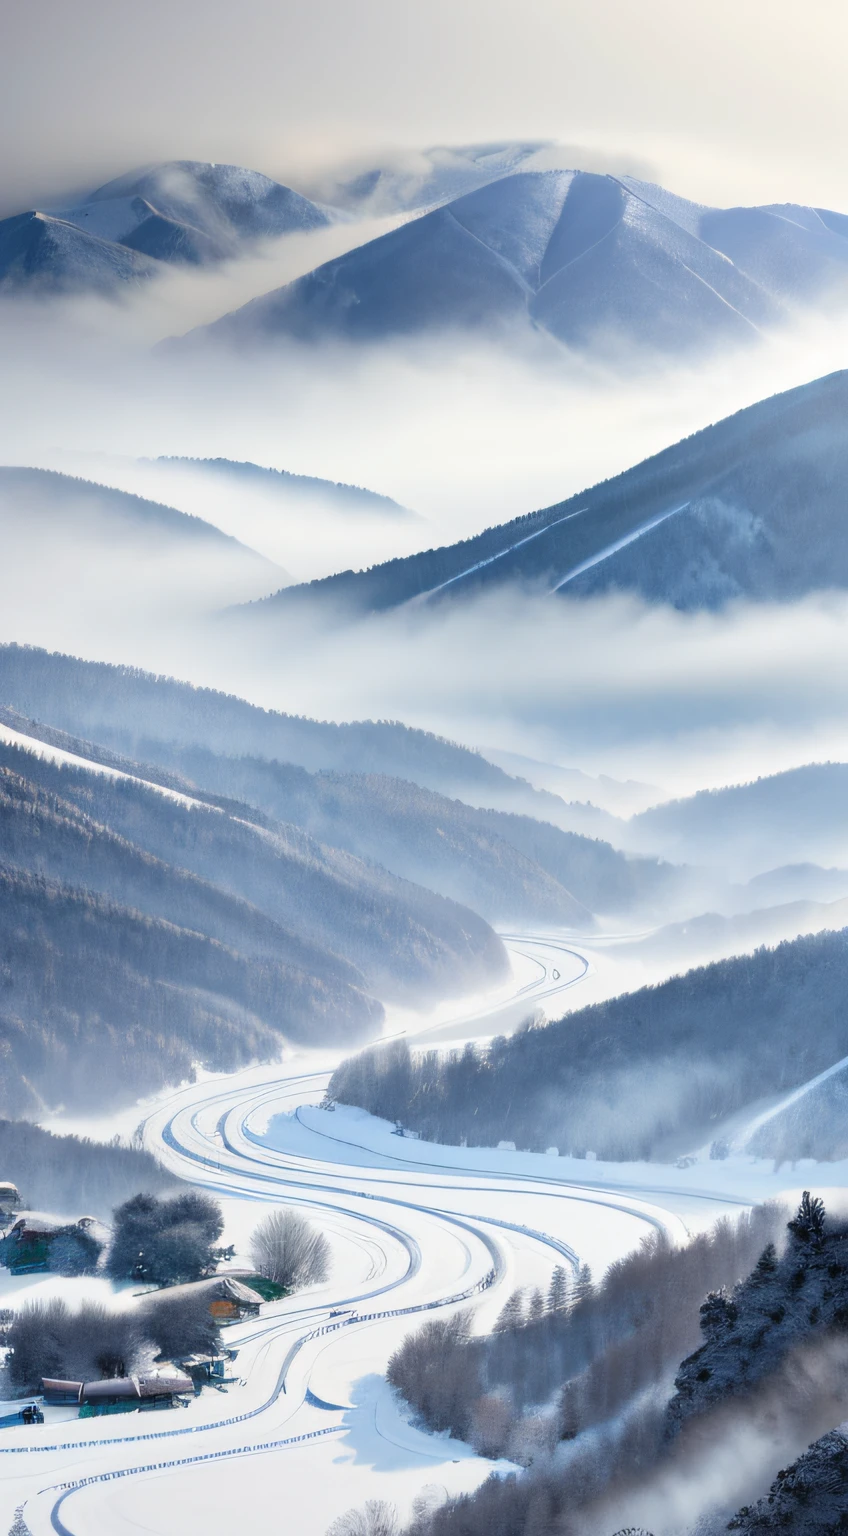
<point>286,1249</point>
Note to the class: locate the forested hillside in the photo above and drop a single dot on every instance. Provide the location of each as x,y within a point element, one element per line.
<point>577,1387</point>
<point>70,1175</point>
<point>618,1077</point>
<point>749,507</point>
<point>584,1350</point>
<point>142,932</point>
<point>286,486</point>
<point>510,868</point>
<point>127,709</point>
<point>397,935</point>
<point>513,869</point>
<point>738,828</point>
<point>99,1005</point>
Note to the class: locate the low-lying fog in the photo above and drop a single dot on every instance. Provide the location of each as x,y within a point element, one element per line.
<point>461,433</point>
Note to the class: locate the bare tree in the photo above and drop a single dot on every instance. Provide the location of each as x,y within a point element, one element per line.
<point>491,1421</point>
<point>48,1339</point>
<point>288,1250</point>
<point>376,1518</point>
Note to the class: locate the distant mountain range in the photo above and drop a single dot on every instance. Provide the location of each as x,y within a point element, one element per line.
<point>143,930</point>
<point>511,868</point>
<point>737,829</point>
<point>752,507</point>
<point>184,211</point>
<point>590,260</point>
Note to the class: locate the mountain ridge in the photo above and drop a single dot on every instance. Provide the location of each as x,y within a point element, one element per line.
<point>583,257</point>
<point>184,212</point>
<point>750,506</point>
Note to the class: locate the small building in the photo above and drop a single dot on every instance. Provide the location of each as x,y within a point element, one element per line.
<point>25,1247</point>
<point>120,1394</point>
<point>9,1197</point>
<point>229,1299</point>
<point>207,1370</point>
<point>60,1393</point>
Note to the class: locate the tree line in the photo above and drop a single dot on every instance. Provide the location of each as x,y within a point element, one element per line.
<point>769,1371</point>
<point>73,1174</point>
<point>587,1350</point>
<point>618,1078</point>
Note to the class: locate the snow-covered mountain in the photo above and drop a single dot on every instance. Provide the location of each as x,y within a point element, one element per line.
<point>47,254</point>
<point>184,211</point>
<point>751,507</point>
<point>590,259</point>
<point>407,183</point>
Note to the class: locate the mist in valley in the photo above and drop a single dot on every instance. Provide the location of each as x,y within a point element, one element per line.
<point>261,815</point>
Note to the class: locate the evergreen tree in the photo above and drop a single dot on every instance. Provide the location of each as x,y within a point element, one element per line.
<point>535,1306</point>
<point>558,1290</point>
<point>583,1285</point>
<point>765,1266</point>
<point>717,1312</point>
<point>807,1227</point>
<point>512,1315</point>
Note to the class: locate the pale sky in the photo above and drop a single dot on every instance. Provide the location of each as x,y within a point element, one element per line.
<point>728,101</point>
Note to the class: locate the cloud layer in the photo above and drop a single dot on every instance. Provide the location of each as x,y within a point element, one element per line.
<point>728,102</point>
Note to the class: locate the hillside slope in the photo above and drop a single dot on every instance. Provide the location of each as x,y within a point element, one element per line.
<point>182,211</point>
<point>45,254</point>
<point>100,1003</point>
<point>407,942</point>
<point>286,486</point>
<point>514,870</point>
<point>751,507</point>
<point>620,1077</point>
<point>69,543</point>
<point>128,710</point>
<point>590,259</point>
<point>800,811</point>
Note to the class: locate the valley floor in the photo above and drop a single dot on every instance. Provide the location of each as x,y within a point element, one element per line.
<point>312,1429</point>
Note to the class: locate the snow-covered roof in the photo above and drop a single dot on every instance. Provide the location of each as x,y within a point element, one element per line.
<point>217,1288</point>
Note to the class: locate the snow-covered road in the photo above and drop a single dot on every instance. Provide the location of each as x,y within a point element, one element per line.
<point>414,1227</point>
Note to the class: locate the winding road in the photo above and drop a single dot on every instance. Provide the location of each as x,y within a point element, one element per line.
<point>311,1428</point>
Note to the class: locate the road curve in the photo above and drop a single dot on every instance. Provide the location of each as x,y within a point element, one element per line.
<point>412,1229</point>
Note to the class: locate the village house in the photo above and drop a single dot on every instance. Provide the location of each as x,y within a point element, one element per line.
<point>229,1299</point>
<point>25,1248</point>
<point>120,1394</point>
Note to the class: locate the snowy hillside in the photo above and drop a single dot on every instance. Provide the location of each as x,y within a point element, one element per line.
<point>587,258</point>
<point>211,208</point>
<point>184,211</point>
<point>51,254</point>
<point>740,827</point>
<point>751,507</point>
